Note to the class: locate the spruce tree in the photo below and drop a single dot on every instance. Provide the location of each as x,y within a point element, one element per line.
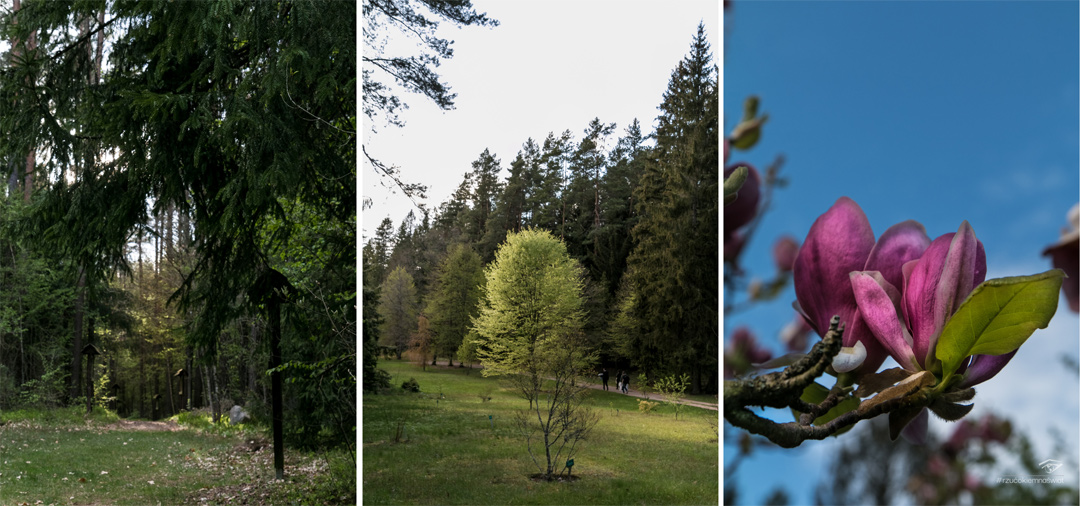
<point>453,301</point>
<point>675,259</point>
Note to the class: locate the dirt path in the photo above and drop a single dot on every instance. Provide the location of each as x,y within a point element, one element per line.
<point>654,396</point>
<point>144,426</point>
<point>631,391</point>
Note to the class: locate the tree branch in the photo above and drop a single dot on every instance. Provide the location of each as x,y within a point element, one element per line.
<point>784,390</point>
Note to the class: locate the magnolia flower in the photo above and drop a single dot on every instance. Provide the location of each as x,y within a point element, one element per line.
<point>794,335</point>
<point>743,352</point>
<point>840,243</point>
<point>934,286</point>
<point>784,251</point>
<point>733,245</point>
<point>1066,256</point>
<point>910,324</point>
<point>743,210</point>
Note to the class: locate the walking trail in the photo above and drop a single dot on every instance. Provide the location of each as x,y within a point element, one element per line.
<point>595,384</point>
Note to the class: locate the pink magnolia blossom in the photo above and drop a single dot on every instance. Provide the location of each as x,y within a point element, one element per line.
<point>743,352</point>
<point>784,251</point>
<point>839,245</point>
<point>1065,255</point>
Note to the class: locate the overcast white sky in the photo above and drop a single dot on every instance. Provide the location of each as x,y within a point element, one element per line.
<point>548,66</point>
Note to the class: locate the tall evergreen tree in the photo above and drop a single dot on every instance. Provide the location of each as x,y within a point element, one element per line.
<point>675,259</point>
<point>453,301</point>
<point>583,218</point>
<point>378,250</point>
<point>486,190</point>
<point>544,205</point>
<point>398,310</point>
<point>612,243</point>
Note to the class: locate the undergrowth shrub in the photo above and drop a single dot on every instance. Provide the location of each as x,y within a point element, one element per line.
<point>645,406</point>
<point>410,385</point>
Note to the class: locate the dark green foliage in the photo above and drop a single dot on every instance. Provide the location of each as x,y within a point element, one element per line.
<point>410,385</point>
<point>453,301</point>
<point>225,133</point>
<point>674,265</point>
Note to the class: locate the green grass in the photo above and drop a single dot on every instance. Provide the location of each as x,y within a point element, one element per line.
<point>82,464</point>
<point>61,457</point>
<point>453,453</point>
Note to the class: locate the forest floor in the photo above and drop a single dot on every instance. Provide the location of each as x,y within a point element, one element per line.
<point>55,461</point>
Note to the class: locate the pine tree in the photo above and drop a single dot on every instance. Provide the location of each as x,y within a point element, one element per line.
<point>486,189</point>
<point>586,169</point>
<point>545,205</point>
<point>378,250</point>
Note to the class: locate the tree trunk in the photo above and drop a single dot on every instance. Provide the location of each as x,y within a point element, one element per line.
<point>28,182</point>
<point>275,387</point>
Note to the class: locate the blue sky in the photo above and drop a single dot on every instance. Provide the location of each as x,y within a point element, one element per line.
<point>934,111</point>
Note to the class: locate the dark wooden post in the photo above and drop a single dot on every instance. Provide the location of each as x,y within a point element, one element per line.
<point>182,373</point>
<point>272,289</point>
<point>90,351</point>
<point>275,387</point>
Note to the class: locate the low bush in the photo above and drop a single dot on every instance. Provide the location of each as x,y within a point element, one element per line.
<point>410,385</point>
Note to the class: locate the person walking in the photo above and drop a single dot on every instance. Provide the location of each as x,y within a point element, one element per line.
<point>625,382</point>
<point>604,377</point>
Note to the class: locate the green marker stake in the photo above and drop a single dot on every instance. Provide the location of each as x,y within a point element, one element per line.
<point>492,422</point>
<point>570,467</point>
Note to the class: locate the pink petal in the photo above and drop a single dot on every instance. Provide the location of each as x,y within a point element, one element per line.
<point>915,432</point>
<point>934,288</point>
<point>878,303</point>
<point>839,242</point>
<point>984,367</point>
<point>1066,256</point>
<point>901,243</point>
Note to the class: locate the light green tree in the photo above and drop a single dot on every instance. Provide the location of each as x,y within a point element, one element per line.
<point>529,331</point>
<point>398,310</point>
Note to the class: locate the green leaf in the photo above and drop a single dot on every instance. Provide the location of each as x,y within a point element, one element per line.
<point>750,107</point>
<point>733,184</point>
<point>998,316</point>
<point>747,133</point>
<point>814,394</point>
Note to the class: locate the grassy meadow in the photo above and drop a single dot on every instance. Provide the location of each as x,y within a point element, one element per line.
<point>439,446</point>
